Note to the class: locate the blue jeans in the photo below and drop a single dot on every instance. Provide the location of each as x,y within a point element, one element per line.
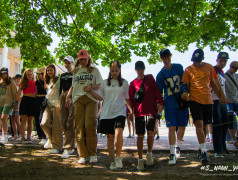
<point>219,126</point>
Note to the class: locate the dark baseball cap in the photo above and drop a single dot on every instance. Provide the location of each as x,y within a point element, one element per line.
<point>165,52</point>
<point>223,55</point>
<point>198,55</point>
<point>4,70</point>
<point>17,76</point>
<point>139,65</point>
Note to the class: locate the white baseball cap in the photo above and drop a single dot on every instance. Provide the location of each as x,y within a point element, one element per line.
<point>69,58</point>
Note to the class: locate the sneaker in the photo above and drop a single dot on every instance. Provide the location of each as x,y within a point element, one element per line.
<point>228,153</point>
<point>28,141</point>
<point>177,152</point>
<point>19,140</point>
<point>207,139</point>
<point>82,161</point>
<point>24,141</point>
<point>229,142</point>
<point>42,141</point>
<point>172,159</point>
<point>113,166</point>
<point>65,154</point>
<point>218,155</point>
<point>4,140</point>
<point>48,145</point>
<point>149,159</point>
<point>93,159</point>
<point>71,151</point>
<point>205,158</point>
<point>12,138</point>
<point>211,141</point>
<point>118,162</point>
<point>129,136</point>
<point>140,166</point>
<point>54,151</point>
<point>199,154</point>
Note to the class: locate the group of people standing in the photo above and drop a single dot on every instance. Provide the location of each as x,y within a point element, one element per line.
<point>69,105</point>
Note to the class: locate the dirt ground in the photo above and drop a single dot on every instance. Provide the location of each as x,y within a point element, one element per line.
<point>36,163</point>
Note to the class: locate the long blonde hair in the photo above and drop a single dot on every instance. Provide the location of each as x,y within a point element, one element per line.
<point>89,66</point>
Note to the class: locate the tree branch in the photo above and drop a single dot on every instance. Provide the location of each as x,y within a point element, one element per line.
<point>59,23</point>
<point>74,22</point>
<point>131,20</point>
<point>194,7</point>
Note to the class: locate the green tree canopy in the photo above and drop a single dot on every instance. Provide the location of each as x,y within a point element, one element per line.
<point>114,29</point>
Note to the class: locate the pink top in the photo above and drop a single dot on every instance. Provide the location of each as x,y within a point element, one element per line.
<point>31,89</point>
<point>148,106</point>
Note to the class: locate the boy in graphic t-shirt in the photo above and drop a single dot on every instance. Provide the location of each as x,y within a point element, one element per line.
<point>220,116</point>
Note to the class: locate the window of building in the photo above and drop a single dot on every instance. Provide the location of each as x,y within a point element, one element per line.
<point>17,68</point>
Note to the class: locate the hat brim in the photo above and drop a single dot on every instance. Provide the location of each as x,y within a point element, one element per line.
<point>4,72</point>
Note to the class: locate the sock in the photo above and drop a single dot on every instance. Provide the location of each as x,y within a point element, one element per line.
<point>140,160</point>
<point>149,152</point>
<point>211,137</point>
<point>5,135</point>
<point>172,149</point>
<point>178,143</point>
<point>203,147</point>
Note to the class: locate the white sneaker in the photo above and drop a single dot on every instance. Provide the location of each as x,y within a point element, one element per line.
<point>93,159</point>
<point>42,141</point>
<point>65,154</point>
<point>172,159</point>
<point>48,145</point>
<point>4,140</point>
<point>53,151</point>
<point>113,166</point>
<point>82,161</point>
<point>140,166</point>
<point>177,152</point>
<point>149,159</point>
<point>19,139</point>
<point>118,162</point>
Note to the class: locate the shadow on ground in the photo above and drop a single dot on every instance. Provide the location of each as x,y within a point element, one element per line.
<point>36,163</point>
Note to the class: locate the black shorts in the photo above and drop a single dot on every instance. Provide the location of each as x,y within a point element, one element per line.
<point>145,122</point>
<point>108,126</point>
<point>27,106</point>
<point>201,112</point>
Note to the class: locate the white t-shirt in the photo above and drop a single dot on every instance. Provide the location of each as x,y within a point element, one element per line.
<point>114,96</point>
<point>52,93</point>
<point>81,79</point>
<point>222,80</point>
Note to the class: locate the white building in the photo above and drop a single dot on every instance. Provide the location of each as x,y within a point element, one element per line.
<point>10,58</point>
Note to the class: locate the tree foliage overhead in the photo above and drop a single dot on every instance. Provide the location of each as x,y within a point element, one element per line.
<point>114,29</point>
